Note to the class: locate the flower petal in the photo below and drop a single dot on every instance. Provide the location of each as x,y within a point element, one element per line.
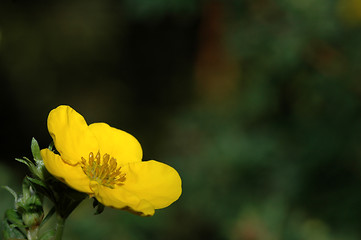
<point>119,144</point>
<point>122,199</point>
<point>73,176</point>
<point>154,182</point>
<point>71,134</point>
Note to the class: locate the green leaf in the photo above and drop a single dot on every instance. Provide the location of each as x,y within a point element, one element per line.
<point>35,149</point>
<point>25,161</point>
<point>37,181</point>
<point>48,216</point>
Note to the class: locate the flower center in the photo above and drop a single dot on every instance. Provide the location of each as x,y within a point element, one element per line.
<point>104,172</point>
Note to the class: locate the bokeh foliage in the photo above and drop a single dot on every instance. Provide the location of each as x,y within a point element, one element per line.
<point>255,102</point>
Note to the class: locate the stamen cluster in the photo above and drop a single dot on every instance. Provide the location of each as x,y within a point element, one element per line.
<point>104,172</point>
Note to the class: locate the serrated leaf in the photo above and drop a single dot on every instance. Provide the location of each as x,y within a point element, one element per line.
<point>35,149</point>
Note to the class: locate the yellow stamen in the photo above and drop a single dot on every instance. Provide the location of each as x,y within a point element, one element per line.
<point>104,172</point>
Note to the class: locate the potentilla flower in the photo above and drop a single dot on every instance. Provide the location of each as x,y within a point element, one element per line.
<point>106,163</point>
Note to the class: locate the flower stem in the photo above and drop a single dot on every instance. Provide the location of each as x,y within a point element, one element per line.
<point>60,221</point>
<point>32,233</point>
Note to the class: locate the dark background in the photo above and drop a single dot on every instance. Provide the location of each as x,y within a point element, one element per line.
<point>256,103</point>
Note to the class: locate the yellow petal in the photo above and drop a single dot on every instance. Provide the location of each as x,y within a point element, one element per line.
<point>117,143</point>
<point>154,182</point>
<point>73,176</point>
<point>71,134</point>
<point>122,199</point>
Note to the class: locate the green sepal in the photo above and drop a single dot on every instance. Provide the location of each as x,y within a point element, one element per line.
<point>35,203</point>
<point>36,169</point>
<point>48,216</point>
<point>26,161</point>
<point>51,146</point>
<point>99,207</point>
<point>32,204</point>
<point>40,187</point>
<point>37,182</point>
<point>27,190</point>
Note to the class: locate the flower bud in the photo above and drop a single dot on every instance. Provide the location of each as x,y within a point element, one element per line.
<point>30,206</point>
<point>32,219</point>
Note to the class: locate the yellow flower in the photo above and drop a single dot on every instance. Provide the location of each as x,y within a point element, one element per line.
<point>106,163</point>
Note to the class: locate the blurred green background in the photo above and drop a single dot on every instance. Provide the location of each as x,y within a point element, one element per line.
<point>256,103</point>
